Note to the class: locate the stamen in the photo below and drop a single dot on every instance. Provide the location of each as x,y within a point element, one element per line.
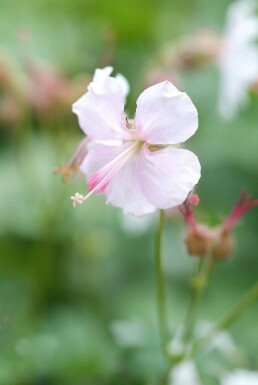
<point>98,182</point>
<point>77,198</point>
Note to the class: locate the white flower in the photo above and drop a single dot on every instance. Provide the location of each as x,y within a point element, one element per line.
<point>238,60</point>
<point>184,373</point>
<point>128,333</point>
<point>240,377</point>
<point>136,164</point>
<point>222,340</point>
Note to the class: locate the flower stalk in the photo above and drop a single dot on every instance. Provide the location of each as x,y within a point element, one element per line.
<point>232,316</point>
<point>160,284</point>
<point>238,309</point>
<point>199,283</point>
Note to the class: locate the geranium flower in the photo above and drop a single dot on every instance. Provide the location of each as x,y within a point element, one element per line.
<point>238,59</point>
<point>138,165</point>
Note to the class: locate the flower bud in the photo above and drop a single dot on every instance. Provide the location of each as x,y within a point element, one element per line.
<point>223,247</point>
<point>193,51</point>
<point>216,242</point>
<point>199,240</point>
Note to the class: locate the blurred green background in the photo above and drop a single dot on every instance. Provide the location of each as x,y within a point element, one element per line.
<point>66,275</point>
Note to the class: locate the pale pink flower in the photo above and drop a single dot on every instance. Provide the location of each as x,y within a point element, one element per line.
<point>136,164</point>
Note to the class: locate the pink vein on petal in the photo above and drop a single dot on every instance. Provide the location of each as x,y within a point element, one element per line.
<point>101,179</point>
<point>98,182</point>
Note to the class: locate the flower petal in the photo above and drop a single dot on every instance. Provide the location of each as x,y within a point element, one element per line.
<point>238,60</point>
<point>164,115</point>
<point>240,377</point>
<point>184,373</point>
<point>167,176</point>
<point>99,156</point>
<point>100,110</point>
<point>123,190</point>
<point>123,83</point>
<point>101,74</point>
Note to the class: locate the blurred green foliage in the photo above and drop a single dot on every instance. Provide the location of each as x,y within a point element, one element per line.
<point>66,275</point>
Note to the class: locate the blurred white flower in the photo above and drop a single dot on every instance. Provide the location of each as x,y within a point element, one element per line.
<point>177,347</point>
<point>238,59</point>
<point>184,373</point>
<point>128,333</point>
<point>240,377</point>
<point>221,341</point>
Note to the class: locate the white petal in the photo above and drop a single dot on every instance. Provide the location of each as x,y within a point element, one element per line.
<point>239,70</point>
<point>124,190</point>
<point>124,84</point>
<point>164,115</point>
<point>184,373</point>
<point>241,377</point>
<point>238,13</point>
<point>101,74</point>
<point>238,61</point>
<point>99,156</point>
<point>167,176</point>
<point>129,333</point>
<point>100,111</point>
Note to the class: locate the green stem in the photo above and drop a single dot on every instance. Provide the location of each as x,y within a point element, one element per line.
<point>190,318</point>
<point>230,317</point>
<point>199,265</point>
<point>160,282</point>
<point>198,285</point>
<point>239,308</point>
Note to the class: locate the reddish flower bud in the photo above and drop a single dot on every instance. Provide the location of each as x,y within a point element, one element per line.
<point>198,240</point>
<point>222,248</point>
<point>193,51</point>
<point>217,242</point>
